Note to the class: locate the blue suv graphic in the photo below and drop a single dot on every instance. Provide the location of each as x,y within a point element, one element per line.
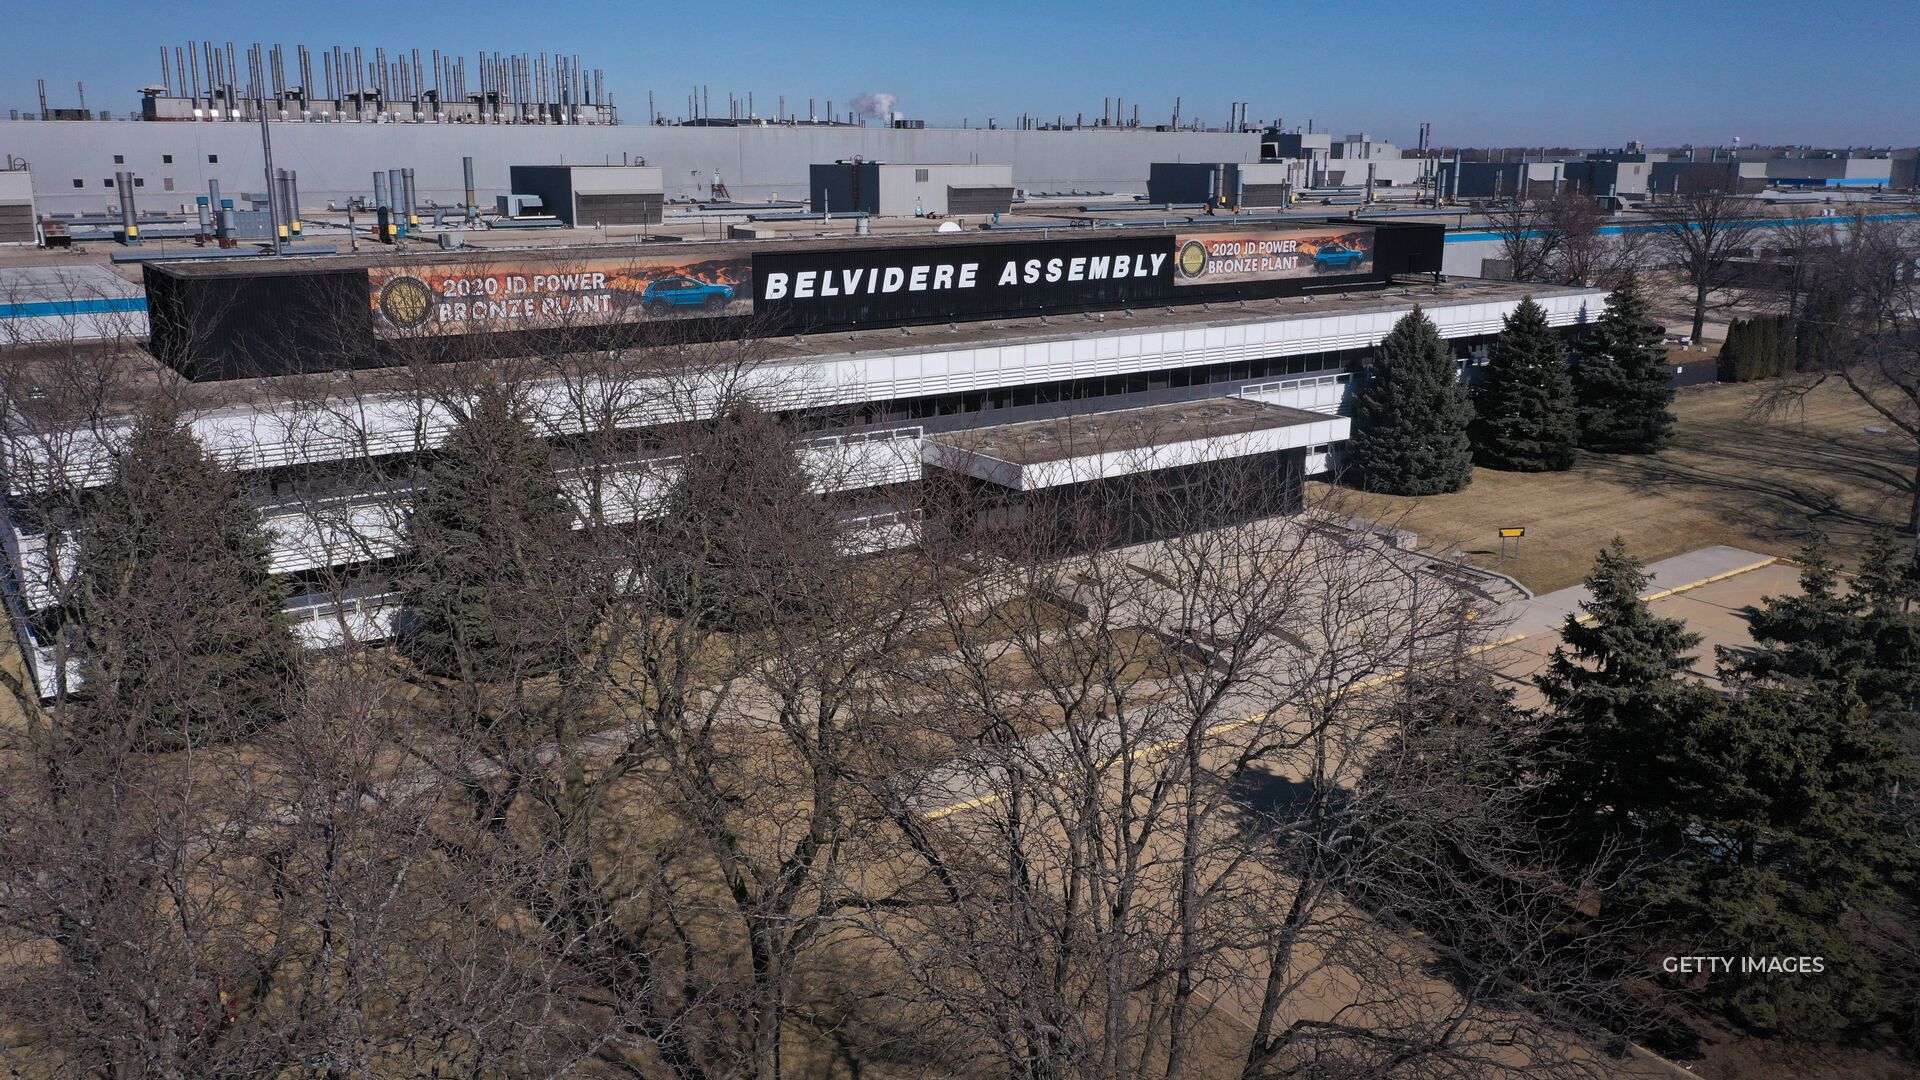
<point>1337,257</point>
<point>685,292</point>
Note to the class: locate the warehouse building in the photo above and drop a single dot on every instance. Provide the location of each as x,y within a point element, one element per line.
<point>1022,370</point>
<point>881,189</point>
<point>1610,174</point>
<point>1224,183</point>
<point>73,160</point>
<point>17,223</point>
<point>590,195</point>
<point>1350,161</point>
<point>1502,179</point>
<point>1831,168</point>
<point>1735,175</point>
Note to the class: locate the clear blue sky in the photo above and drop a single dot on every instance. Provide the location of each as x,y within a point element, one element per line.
<point>1508,73</point>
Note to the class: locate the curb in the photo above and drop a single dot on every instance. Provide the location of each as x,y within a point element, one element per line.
<point>1691,585</point>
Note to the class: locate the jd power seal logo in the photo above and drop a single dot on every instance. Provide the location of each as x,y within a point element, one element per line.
<point>1193,259</point>
<point>406,302</point>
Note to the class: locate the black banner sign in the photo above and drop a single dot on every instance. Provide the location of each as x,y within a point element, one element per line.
<point>937,281</point>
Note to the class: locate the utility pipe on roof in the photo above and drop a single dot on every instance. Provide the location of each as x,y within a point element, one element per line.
<point>129,226</point>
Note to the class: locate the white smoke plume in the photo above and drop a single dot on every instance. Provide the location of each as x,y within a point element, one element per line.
<point>879,105</point>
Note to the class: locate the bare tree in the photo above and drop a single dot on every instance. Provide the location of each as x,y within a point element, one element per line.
<point>1531,237</point>
<point>1130,728</point>
<point>1589,253</point>
<point>1865,313</point>
<point>1091,782</point>
<point>232,905</point>
<point>1563,241</point>
<point>1702,234</point>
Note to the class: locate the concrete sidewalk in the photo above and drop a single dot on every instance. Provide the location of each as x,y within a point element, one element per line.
<point>1547,613</point>
<point>1708,589</point>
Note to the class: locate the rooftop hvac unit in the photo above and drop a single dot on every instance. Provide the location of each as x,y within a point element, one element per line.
<point>916,124</point>
<point>513,206</point>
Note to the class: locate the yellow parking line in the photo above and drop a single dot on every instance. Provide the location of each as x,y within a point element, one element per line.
<point>970,804</point>
<point>1678,589</point>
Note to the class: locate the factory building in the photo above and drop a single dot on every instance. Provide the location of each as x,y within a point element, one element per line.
<point>17,219</point>
<point>1349,161</point>
<point>73,161</point>
<point>883,189</point>
<point>201,82</point>
<point>1022,370</point>
<point>590,195</point>
<point>1225,183</point>
<point>1502,179</point>
<point>1831,168</point>
<point>1744,177</point>
<point>1620,176</point>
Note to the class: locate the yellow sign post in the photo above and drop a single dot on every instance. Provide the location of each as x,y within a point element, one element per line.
<point>1514,533</point>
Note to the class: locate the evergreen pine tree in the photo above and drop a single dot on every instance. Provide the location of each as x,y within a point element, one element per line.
<point>1620,379</point>
<point>1767,363</point>
<point>1762,819</point>
<point>1779,830</point>
<point>1410,415</point>
<point>745,541</point>
<point>493,588</point>
<point>1783,806</point>
<point>1816,637</point>
<point>1524,410</point>
<point>1889,587</point>
<point>1733,363</point>
<point>1863,638</point>
<point>1618,698</point>
<point>180,633</point>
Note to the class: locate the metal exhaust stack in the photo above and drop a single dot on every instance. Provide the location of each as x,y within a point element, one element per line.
<point>466,167</point>
<point>129,225</point>
<point>396,218</point>
<point>381,213</point>
<point>283,221</point>
<point>412,208</point>
<point>290,199</point>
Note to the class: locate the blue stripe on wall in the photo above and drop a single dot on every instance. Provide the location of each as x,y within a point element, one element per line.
<point>73,307</point>
<point>1615,230</point>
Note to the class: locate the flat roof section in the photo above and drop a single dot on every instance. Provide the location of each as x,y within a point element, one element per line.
<point>1094,446</point>
<point>633,247</point>
<point>63,285</point>
<point>828,347</point>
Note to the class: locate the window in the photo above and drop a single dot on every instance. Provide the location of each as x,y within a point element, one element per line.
<point>80,183</point>
<point>139,181</point>
<point>119,159</point>
<point>919,175</point>
<point>168,182</point>
<point>108,182</point>
<point>166,159</point>
<point>213,159</point>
